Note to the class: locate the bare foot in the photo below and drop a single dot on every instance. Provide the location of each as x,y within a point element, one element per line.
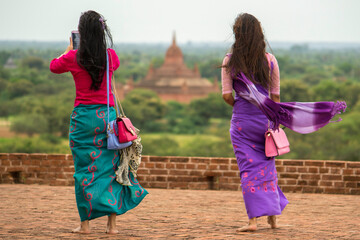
<point>247,228</point>
<point>111,224</point>
<point>272,222</point>
<point>112,231</point>
<point>81,230</point>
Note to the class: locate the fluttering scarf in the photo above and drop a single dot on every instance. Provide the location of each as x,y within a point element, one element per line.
<point>301,117</point>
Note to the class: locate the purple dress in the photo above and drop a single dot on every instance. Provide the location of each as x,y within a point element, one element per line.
<point>261,193</point>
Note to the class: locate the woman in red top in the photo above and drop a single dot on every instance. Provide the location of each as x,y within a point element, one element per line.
<point>97,192</point>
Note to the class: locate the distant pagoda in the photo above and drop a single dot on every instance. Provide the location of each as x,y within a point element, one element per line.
<point>174,80</point>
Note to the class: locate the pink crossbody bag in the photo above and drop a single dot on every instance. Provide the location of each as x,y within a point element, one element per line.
<point>276,143</point>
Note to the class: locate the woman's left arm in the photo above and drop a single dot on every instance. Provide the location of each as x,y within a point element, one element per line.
<point>226,83</point>
<point>59,64</point>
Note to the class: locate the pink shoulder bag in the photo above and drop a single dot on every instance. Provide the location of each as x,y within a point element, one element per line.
<point>276,143</point>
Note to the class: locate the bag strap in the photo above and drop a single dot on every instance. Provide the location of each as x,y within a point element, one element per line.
<point>116,98</point>
<point>269,91</point>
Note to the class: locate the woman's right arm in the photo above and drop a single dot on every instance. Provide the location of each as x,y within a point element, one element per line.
<point>226,83</point>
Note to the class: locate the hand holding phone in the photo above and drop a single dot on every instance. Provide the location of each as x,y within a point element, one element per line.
<point>75,36</point>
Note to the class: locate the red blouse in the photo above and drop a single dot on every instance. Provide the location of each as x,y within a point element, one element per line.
<point>85,95</point>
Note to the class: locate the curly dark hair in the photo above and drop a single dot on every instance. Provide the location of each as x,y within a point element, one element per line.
<point>249,51</point>
<point>94,35</point>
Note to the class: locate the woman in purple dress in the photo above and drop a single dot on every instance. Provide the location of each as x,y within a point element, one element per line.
<point>261,193</point>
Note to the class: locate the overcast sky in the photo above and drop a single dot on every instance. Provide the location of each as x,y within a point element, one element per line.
<point>193,20</point>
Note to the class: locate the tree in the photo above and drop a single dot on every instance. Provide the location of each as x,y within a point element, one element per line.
<point>143,106</point>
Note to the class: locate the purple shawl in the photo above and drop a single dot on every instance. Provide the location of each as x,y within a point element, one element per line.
<point>301,117</point>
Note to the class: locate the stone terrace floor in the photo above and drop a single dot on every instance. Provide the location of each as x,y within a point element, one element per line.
<point>46,212</point>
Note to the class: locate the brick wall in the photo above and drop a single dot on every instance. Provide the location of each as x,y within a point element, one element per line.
<point>307,176</point>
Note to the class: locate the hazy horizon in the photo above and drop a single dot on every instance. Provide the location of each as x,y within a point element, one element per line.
<point>154,21</point>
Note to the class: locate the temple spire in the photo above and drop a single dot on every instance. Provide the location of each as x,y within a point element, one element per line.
<point>174,38</point>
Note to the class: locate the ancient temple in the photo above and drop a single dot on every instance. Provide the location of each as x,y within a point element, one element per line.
<point>174,80</point>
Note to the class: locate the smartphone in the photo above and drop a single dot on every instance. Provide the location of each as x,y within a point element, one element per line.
<point>76,39</point>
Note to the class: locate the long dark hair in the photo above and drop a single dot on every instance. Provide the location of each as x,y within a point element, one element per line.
<point>91,55</point>
<point>249,51</point>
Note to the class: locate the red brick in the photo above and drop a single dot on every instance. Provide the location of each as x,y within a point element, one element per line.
<point>5,162</point>
<point>353,165</point>
<point>234,167</point>
<point>56,157</point>
<point>190,166</point>
<point>280,169</point>
<point>234,180</point>
<point>355,191</point>
<point>291,169</point>
<point>310,176</point>
<point>202,166</point>
<point>180,166</point>
<point>158,159</point>
<point>324,170</point>
<point>293,162</point>
<point>160,171</point>
<point>143,172</point>
<point>314,163</point>
<point>351,184</point>
<point>4,156</point>
<point>69,158</point>
<point>37,156</point>
<point>313,170</point>
<point>170,165</point>
<point>231,174</point>
<point>15,169</point>
<point>179,159</point>
<point>159,165</point>
<point>18,156</point>
<point>335,170</point>
<point>334,190</point>
<point>302,169</point>
<point>278,162</point>
<point>339,184</point>
<point>69,169</point>
<point>331,177</point>
<point>325,183</point>
<point>213,167</point>
<point>200,160</point>
<point>213,173</point>
<point>281,182</point>
<point>289,175</point>
<point>223,180</point>
<point>220,161</point>
<point>348,172</point>
<point>149,165</point>
<point>233,162</point>
<point>351,178</point>
<point>145,158</point>
<point>302,182</point>
<point>177,172</point>
<point>161,178</point>
<point>335,164</point>
<point>291,182</point>
<point>313,183</point>
<point>196,173</point>
<point>224,167</point>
